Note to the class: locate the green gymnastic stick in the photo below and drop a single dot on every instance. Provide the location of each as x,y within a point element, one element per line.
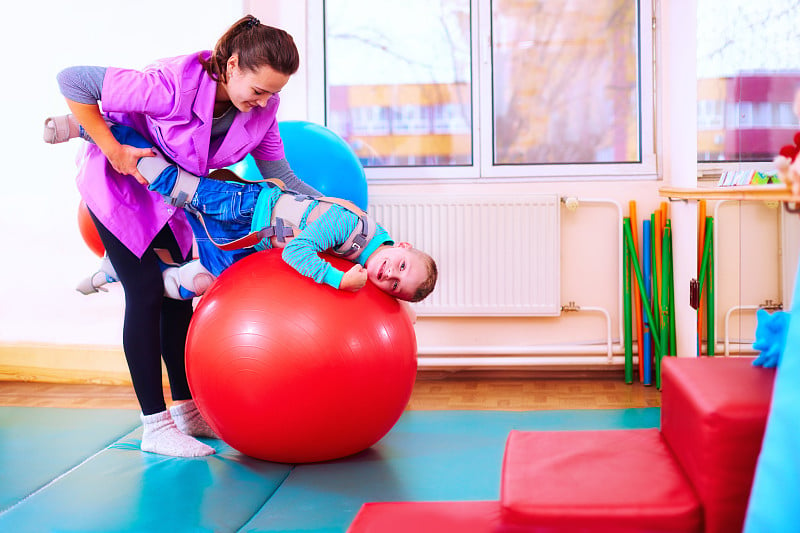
<point>626,261</point>
<point>628,243</point>
<point>672,335</point>
<point>655,327</point>
<point>665,260</point>
<point>703,276</point>
<point>710,300</point>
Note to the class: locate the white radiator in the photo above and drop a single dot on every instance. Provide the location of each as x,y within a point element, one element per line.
<point>496,256</point>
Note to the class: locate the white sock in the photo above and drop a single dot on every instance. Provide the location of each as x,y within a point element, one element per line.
<point>186,281</point>
<point>162,436</point>
<point>189,420</point>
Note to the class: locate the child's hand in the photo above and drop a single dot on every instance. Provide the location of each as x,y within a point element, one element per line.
<point>354,279</point>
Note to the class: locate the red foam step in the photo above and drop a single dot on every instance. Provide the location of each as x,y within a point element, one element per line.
<point>614,480</point>
<point>713,414</point>
<point>428,517</point>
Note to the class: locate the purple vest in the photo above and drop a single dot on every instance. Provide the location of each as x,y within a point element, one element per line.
<point>171,103</point>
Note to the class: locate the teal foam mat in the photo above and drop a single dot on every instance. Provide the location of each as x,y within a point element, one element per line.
<point>38,445</point>
<point>124,489</point>
<point>428,455</point>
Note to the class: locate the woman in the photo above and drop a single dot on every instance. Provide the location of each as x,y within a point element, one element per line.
<point>204,111</point>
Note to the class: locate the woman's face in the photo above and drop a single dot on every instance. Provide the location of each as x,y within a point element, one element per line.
<point>247,89</point>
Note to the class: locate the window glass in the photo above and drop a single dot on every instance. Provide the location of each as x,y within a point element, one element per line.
<point>492,88</point>
<point>398,80</point>
<point>748,78</point>
<point>565,83</point>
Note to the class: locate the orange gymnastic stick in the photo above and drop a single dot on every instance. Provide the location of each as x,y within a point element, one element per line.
<point>701,239</point>
<point>659,219</point>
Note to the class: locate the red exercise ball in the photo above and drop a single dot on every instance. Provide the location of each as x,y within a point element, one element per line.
<point>89,231</point>
<point>288,370</point>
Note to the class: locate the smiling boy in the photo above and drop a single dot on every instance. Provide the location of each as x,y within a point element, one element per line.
<point>232,219</point>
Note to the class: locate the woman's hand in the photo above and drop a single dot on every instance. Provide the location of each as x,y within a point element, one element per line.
<point>123,158</point>
<point>354,279</point>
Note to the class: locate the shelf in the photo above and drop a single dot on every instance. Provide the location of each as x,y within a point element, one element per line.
<point>775,192</point>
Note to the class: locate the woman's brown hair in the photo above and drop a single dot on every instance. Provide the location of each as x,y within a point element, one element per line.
<point>256,45</point>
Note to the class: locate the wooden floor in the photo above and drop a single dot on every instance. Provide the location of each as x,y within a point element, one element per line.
<point>430,393</point>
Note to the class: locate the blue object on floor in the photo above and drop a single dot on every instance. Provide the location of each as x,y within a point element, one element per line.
<point>428,455</point>
<point>775,497</point>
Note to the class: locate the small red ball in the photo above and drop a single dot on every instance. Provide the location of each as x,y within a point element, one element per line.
<point>288,370</point>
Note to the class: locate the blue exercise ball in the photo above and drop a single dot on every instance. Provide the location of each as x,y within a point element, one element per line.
<point>247,169</point>
<point>319,157</point>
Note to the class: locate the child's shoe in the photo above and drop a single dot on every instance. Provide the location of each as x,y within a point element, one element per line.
<point>95,283</point>
<point>60,129</point>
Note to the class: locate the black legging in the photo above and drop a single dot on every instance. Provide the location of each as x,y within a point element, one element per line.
<point>154,325</point>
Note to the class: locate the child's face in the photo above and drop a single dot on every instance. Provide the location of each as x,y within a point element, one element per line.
<point>398,270</point>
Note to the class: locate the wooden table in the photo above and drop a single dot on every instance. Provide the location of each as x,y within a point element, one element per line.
<point>774,192</point>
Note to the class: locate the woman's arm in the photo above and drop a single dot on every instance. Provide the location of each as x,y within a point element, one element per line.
<point>122,157</point>
<point>280,169</point>
<point>82,88</point>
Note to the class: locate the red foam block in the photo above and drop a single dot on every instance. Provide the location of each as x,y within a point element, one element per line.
<point>713,414</point>
<point>614,480</point>
<point>428,517</point>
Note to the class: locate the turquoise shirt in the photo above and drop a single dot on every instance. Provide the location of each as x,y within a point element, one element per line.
<point>327,232</point>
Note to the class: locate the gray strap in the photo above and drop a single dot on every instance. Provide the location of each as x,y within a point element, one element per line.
<point>152,167</point>
<point>185,186</point>
<point>279,230</point>
<point>358,239</point>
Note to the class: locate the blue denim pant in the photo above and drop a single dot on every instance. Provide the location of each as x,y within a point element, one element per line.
<point>227,208</point>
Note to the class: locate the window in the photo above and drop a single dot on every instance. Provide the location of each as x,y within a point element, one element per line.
<point>565,85</point>
<point>746,67</point>
<point>490,88</point>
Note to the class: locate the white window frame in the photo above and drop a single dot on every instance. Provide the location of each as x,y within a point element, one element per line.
<point>482,168</point>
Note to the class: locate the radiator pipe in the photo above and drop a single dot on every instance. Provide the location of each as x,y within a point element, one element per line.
<point>768,305</point>
<point>524,360</point>
<point>572,203</point>
<point>608,348</point>
<point>727,321</point>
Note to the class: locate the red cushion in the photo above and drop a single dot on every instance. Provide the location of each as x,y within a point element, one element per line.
<point>713,414</point>
<point>600,480</point>
<point>428,517</point>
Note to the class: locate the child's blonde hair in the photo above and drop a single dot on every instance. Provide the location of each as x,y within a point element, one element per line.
<point>427,286</point>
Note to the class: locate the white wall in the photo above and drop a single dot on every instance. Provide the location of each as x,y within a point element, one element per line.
<point>44,256</point>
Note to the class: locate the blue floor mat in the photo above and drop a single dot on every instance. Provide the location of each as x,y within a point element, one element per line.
<point>428,455</point>
<point>38,445</point>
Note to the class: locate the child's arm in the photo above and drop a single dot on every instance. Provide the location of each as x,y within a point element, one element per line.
<point>354,279</point>
<point>328,231</point>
